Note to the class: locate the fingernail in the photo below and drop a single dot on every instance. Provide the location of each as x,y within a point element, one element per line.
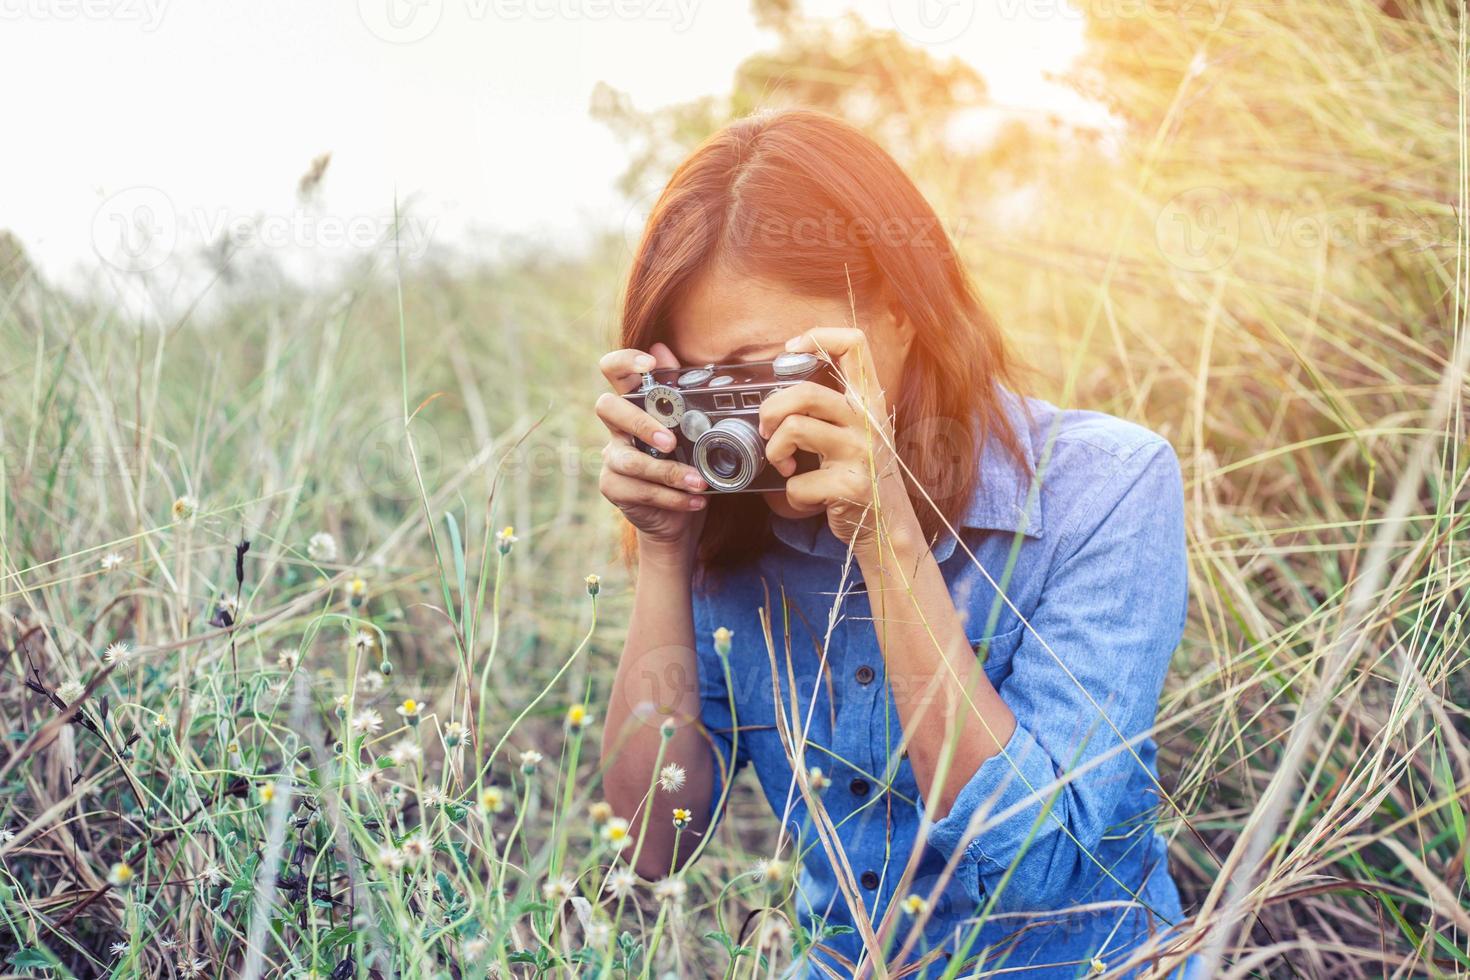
<point>664,439</point>
<point>793,343</point>
<point>644,363</point>
<point>694,481</point>
<point>696,503</point>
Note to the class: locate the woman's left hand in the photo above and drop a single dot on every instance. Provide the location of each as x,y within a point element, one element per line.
<point>859,481</point>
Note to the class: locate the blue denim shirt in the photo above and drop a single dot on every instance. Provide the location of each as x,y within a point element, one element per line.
<point>1056,859</point>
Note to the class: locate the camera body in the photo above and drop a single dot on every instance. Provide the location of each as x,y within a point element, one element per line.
<point>714,413</point>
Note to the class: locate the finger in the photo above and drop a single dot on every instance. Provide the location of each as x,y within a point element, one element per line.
<point>623,458</point>
<point>825,487</point>
<point>806,398</point>
<point>813,435</point>
<point>625,491</point>
<point>834,342</point>
<point>624,368</point>
<point>622,417</point>
<point>845,347</point>
<point>663,355</point>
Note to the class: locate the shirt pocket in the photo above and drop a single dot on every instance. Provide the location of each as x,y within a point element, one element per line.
<point>996,650</point>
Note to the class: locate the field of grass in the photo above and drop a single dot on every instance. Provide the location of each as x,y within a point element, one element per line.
<point>368,744</point>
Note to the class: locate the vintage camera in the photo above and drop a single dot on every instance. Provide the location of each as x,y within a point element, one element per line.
<point>714,413</point>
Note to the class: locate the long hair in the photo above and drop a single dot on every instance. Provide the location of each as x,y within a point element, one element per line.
<point>803,199</point>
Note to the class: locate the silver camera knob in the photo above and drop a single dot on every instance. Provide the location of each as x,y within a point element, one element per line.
<point>794,365</point>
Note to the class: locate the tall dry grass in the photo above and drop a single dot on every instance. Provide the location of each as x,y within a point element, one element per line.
<point>1266,264</point>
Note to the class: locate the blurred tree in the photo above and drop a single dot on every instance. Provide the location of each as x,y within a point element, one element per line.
<point>901,94</point>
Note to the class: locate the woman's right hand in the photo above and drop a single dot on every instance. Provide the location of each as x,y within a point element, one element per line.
<point>659,497</point>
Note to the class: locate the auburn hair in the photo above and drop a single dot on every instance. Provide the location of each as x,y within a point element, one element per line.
<point>801,198</point>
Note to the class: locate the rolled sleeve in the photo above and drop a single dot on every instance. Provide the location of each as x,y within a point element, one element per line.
<point>1028,823</point>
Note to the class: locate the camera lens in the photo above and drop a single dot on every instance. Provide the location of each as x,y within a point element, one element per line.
<point>729,455</point>
<point>723,462</point>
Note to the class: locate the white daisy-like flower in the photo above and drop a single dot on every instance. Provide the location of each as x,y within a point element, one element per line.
<point>406,752</point>
<point>916,905</point>
<point>367,722</point>
<point>432,798</point>
<point>111,561</point>
<point>71,692</point>
<point>371,683</point>
<point>621,882</point>
<point>185,508</point>
<point>722,638</point>
<point>415,849</point>
<point>390,857</point>
<point>6,835</point>
<point>770,871</point>
<point>615,833</point>
<point>288,659</point>
<point>558,890</point>
<point>530,759</point>
<point>121,875</point>
<point>493,799</point>
<point>578,717</point>
<point>118,654</point>
<point>817,779</point>
<point>454,735</point>
<point>670,890</point>
<point>119,949</point>
<point>774,932</point>
<point>191,967</point>
<point>505,539</point>
<point>321,547</point>
<point>599,933</point>
<point>671,777</point>
<point>368,778</point>
<point>213,874</point>
<point>168,943</point>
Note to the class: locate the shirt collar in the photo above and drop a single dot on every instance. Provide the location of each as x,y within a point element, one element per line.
<point>1002,499</point>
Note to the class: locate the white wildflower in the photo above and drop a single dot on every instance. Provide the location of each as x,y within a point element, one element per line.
<point>321,547</point>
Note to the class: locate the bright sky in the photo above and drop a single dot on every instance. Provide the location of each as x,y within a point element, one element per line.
<point>197,117</point>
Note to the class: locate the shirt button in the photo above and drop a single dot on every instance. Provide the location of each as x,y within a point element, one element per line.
<point>864,674</point>
<point>870,880</point>
<point>859,787</point>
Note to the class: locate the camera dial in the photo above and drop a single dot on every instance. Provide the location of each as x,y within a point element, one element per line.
<point>695,377</point>
<point>664,403</point>
<point>793,364</point>
<point>729,455</point>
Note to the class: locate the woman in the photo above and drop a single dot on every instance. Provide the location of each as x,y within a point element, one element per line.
<point>945,643</point>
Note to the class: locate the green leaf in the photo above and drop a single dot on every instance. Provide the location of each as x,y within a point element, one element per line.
<point>31,956</point>
<point>457,549</point>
